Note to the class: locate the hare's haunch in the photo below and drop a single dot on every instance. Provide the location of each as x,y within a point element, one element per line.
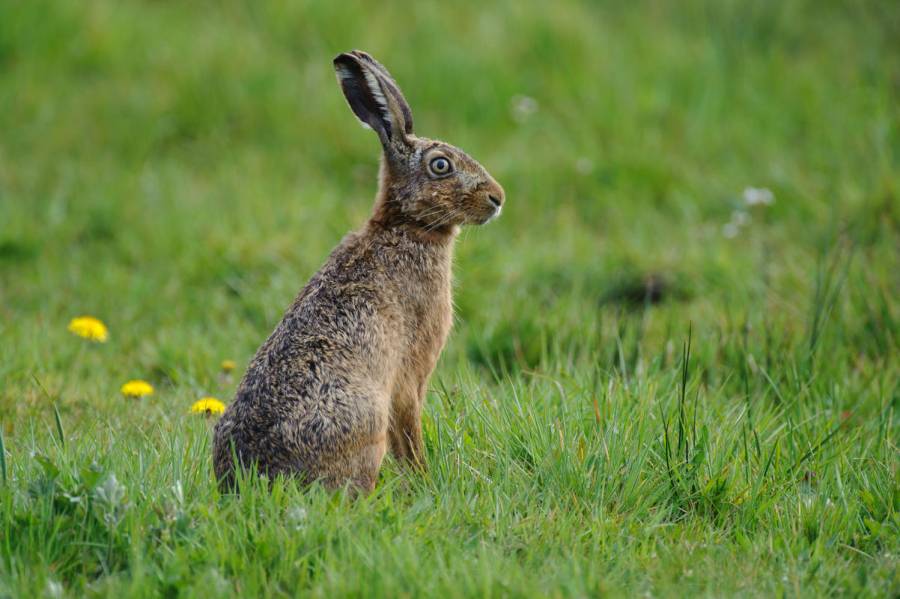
<point>343,376</point>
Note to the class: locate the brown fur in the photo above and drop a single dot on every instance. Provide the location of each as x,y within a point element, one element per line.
<point>343,377</point>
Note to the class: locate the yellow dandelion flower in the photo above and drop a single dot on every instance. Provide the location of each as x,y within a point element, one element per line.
<point>208,406</point>
<point>89,328</point>
<point>137,389</point>
<point>228,366</point>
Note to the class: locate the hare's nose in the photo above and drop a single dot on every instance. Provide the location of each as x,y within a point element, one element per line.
<point>496,194</point>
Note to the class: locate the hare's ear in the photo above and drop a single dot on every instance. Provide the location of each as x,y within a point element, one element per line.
<point>373,96</point>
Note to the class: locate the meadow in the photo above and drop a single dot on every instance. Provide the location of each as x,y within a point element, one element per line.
<point>673,369</point>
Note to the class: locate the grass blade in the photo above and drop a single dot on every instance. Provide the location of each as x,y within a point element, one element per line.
<point>59,426</point>
<point>2,458</point>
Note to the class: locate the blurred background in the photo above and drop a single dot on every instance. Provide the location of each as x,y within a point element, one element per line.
<point>179,170</point>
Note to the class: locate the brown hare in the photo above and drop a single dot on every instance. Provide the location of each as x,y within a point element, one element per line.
<point>343,376</point>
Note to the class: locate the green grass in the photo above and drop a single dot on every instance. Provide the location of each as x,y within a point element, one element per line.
<point>180,169</point>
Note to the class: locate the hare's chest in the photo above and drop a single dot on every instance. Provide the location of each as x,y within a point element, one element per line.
<point>421,282</point>
<point>441,321</point>
<point>431,322</point>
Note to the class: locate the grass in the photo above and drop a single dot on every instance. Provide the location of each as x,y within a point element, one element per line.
<point>630,402</point>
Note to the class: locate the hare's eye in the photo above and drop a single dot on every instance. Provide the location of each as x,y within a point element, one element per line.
<point>439,166</point>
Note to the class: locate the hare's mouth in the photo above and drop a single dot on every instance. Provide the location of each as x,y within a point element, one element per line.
<point>495,212</point>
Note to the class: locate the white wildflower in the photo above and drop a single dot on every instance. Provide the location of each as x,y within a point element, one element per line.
<point>740,218</point>
<point>297,517</point>
<point>523,107</point>
<point>758,196</point>
<point>110,497</point>
<point>730,230</point>
<point>111,492</point>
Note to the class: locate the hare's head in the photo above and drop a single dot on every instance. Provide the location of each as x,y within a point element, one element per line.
<point>425,183</point>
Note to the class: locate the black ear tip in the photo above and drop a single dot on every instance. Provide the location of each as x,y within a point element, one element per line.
<point>344,58</point>
<point>353,56</point>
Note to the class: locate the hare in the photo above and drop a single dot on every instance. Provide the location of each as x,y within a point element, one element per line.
<point>344,375</point>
